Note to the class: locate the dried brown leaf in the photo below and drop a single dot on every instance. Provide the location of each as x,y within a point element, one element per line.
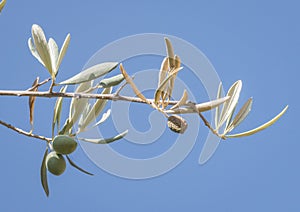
<point>32,101</point>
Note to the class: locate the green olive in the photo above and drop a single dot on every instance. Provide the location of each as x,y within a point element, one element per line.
<point>55,163</point>
<point>64,144</point>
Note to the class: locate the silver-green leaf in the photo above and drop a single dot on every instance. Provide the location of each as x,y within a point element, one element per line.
<point>42,47</point>
<point>53,49</point>
<point>260,128</point>
<point>217,111</point>
<point>112,81</point>
<point>91,73</point>
<point>95,111</point>
<point>77,167</point>
<point>105,141</point>
<point>63,51</point>
<point>240,116</point>
<point>57,110</point>
<point>44,180</point>
<point>228,107</point>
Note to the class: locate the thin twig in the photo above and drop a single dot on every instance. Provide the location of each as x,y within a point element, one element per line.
<point>46,94</point>
<point>38,85</point>
<point>51,86</point>
<point>122,87</point>
<point>18,130</point>
<point>206,123</point>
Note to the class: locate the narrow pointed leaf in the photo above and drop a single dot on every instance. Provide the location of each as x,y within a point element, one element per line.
<point>162,76</point>
<point>202,107</point>
<point>260,128</point>
<point>182,101</point>
<point>41,46</point>
<point>217,111</point>
<point>53,49</point>
<point>228,107</point>
<point>44,180</point>
<point>164,83</point>
<point>77,167</point>
<point>95,111</point>
<point>91,73</point>
<point>105,141</point>
<point>57,111</point>
<point>112,81</point>
<point>34,51</point>
<point>31,103</point>
<point>104,118</point>
<point>133,86</point>
<point>63,51</point>
<point>242,114</point>
<point>170,52</point>
<point>84,114</point>
<point>78,105</point>
<point>229,119</point>
<point>163,71</point>
<point>67,128</point>
<point>2,4</point>
<point>172,80</point>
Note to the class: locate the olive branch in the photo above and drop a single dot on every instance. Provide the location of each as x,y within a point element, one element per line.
<point>64,137</point>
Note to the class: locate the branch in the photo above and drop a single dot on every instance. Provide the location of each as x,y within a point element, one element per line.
<point>24,132</point>
<point>47,94</point>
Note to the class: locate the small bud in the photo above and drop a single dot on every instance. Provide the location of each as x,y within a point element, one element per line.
<point>177,124</point>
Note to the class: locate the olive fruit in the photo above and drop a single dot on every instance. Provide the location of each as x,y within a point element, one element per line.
<point>55,163</point>
<point>64,144</point>
<point>177,124</point>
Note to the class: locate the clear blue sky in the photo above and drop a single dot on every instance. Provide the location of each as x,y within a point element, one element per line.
<point>256,41</point>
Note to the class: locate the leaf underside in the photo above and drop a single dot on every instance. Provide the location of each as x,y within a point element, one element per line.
<point>91,73</point>
<point>44,180</point>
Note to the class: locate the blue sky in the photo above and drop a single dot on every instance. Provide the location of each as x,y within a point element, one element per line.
<point>256,41</point>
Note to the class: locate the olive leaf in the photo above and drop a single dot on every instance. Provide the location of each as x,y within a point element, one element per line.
<point>2,4</point>
<point>104,141</point>
<point>167,75</point>
<point>77,167</point>
<point>95,110</point>
<point>84,114</point>
<point>34,51</point>
<point>77,106</point>
<point>133,86</point>
<point>164,83</point>
<point>228,107</point>
<point>53,49</point>
<point>217,111</point>
<point>32,101</point>
<point>112,81</point>
<point>202,107</point>
<point>163,71</point>
<point>170,52</point>
<point>63,51</point>
<point>162,76</point>
<point>91,73</point>
<point>44,180</point>
<point>42,47</point>
<point>260,128</point>
<point>57,111</point>
<point>242,114</point>
<point>182,100</point>
<point>172,80</point>
<point>47,52</point>
<point>103,118</point>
